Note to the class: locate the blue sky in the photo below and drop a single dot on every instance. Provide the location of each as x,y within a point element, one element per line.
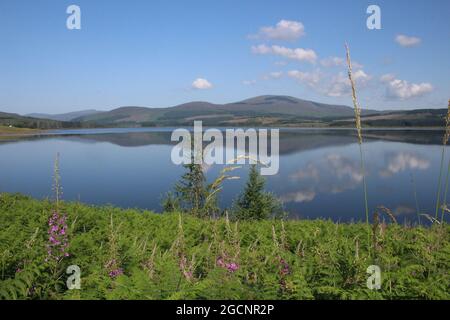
<point>150,53</point>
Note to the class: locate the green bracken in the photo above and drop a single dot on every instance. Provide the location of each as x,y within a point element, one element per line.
<point>179,256</point>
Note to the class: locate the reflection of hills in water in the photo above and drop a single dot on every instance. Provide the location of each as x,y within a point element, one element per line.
<point>291,140</point>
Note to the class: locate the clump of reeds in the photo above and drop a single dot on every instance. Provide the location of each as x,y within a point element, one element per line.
<point>357,109</point>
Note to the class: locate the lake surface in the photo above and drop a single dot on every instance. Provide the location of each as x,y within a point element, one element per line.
<point>319,175</point>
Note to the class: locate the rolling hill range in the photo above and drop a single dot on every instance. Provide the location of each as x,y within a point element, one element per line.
<point>18,121</point>
<point>63,116</point>
<point>262,110</point>
<point>407,118</point>
<point>269,110</point>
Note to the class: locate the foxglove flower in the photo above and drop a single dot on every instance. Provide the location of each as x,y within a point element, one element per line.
<point>57,237</point>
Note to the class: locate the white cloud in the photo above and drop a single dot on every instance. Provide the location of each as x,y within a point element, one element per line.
<point>402,89</point>
<point>310,172</point>
<point>361,77</point>
<point>338,62</point>
<point>402,161</point>
<point>201,84</point>
<point>343,167</point>
<point>248,82</point>
<point>337,85</point>
<point>276,74</point>
<point>340,84</point>
<point>386,78</point>
<point>273,75</point>
<point>332,62</point>
<point>280,63</point>
<point>284,30</point>
<point>261,49</point>
<point>299,54</point>
<point>312,79</point>
<point>301,196</point>
<point>333,173</point>
<point>296,54</point>
<point>406,41</point>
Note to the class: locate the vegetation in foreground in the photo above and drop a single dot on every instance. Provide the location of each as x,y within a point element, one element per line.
<point>132,254</point>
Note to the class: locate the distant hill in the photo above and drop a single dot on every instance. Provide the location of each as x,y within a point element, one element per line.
<point>406,118</point>
<point>64,116</point>
<point>18,121</point>
<point>262,110</point>
<point>268,110</point>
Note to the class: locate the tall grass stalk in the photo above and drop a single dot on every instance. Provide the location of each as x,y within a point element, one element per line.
<point>57,181</point>
<point>444,143</point>
<point>413,182</point>
<point>444,201</point>
<point>216,186</point>
<point>357,109</point>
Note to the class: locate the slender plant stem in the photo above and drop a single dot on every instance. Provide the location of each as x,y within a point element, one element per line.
<point>358,126</point>
<point>444,143</point>
<point>439,182</point>
<point>363,172</point>
<point>357,109</point>
<point>444,202</point>
<point>413,181</point>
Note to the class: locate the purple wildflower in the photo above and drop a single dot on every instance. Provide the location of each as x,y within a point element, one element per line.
<point>284,268</point>
<point>220,262</point>
<point>186,268</point>
<point>116,272</point>
<point>232,267</point>
<point>58,239</point>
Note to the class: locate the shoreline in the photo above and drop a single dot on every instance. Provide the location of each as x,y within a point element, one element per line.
<point>6,132</point>
<point>13,132</point>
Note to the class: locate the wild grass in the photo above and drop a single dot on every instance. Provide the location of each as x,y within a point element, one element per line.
<point>444,144</point>
<point>357,110</point>
<point>447,134</point>
<point>133,254</point>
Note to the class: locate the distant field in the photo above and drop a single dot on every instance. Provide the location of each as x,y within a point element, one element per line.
<point>12,131</point>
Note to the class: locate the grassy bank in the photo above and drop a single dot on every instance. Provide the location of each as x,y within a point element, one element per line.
<point>10,132</point>
<point>132,254</point>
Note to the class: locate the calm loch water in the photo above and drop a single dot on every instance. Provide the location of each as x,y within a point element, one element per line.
<point>319,173</point>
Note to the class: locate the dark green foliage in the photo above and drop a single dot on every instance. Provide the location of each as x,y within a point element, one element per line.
<point>191,190</point>
<point>255,203</point>
<point>171,203</point>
